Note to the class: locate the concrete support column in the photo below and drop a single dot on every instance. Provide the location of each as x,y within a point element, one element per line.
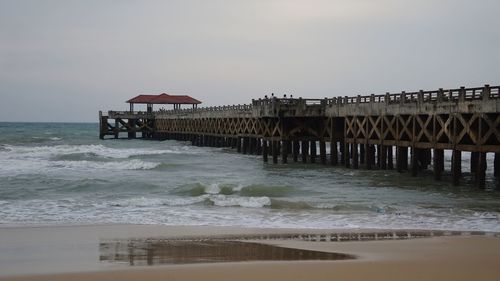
<point>313,151</point>
<point>347,155</point>
<point>415,155</point>
<point>496,165</point>
<point>342,152</point>
<point>131,130</point>
<point>404,155</point>
<point>289,147</point>
<point>362,154</point>
<point>284,151</point>
<point>251,145</point>
<point>305,150</point>
<point>246,144</point>
<point>239,144</point>
<point>369,156</point>
<point>234,141</point>
<point>438,163</point>
<point>383,157</point>
<point>117,128</point>
<point>295,150</point>
<point>258,146</point>
<point>481,170</point>
<point>426,158</point>
<point>334,154</point>
<point>390,160</point>
<point>204,140</point>
<point>355,156</point>
<point>399,159</point>
<point>264,151</point>
<point>322,152</point>
<point>373,155</point>
<point>379,156</point>
<point>275,151</point>
<point>456,166</point>
<point>474,160</point>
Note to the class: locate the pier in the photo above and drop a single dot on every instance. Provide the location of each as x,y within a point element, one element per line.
<point>407,131</point>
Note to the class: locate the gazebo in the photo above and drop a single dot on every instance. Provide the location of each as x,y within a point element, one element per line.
<point>149,100</point>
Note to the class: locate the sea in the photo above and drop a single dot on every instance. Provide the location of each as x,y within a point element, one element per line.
<point>63,174</point>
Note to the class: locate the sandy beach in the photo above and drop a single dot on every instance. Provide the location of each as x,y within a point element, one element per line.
<point>72,253</point>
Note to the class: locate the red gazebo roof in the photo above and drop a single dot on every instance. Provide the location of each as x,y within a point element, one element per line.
<point>164,99</point>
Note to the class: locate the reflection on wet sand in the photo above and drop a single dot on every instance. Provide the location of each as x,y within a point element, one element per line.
<point>155,252</point>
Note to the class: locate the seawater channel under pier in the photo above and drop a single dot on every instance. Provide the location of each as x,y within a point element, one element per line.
<point>403,131</point>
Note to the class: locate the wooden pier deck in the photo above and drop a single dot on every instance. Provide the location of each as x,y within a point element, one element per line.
<point>403,131</point>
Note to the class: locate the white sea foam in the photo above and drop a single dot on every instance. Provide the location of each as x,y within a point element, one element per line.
<point>138,202</point>
<point>143,201</point>
<point>184,201</point>
<point>42,159</point>
<point>97,149</point>
<point>212,189</point>
<point>14,167</point>
<point>217,200</point>
<point>249,202</point>
<point>154,211</point>
<point>134,164</point>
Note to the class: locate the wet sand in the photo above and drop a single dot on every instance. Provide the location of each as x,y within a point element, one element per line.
<point>73,253</point>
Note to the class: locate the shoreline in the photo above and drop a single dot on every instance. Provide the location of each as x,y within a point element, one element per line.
<point>300,229</point>
<point>72,252</point>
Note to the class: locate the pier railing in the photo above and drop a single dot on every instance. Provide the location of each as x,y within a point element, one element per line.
<point>130,114</point>
<point>235,108</point>
<point>441,95</point>
<point>270,104</point>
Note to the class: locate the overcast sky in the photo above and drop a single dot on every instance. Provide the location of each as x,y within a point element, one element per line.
<point>65,60</point>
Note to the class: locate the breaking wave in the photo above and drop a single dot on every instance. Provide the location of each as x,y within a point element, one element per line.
<point>17,166</point>
<point>92,149</point>
<point>134,164</point>
<point>254,190</point>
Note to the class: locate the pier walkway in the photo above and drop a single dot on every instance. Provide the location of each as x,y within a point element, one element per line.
<point>403,131</point>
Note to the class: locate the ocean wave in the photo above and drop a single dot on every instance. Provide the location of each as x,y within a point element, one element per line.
<point>254,190</point>
<point>144,210</point>
<point>219,200</point>
<point>248,202</point>
<point>198,189</point>
<point>94,149</point>
<point>134,164</point>
<point>177,211</point>
<point>13,167</point>
<point>266,190</point>
<point>284,204</point>
<point>355,208</point>
<point>143,201</point>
